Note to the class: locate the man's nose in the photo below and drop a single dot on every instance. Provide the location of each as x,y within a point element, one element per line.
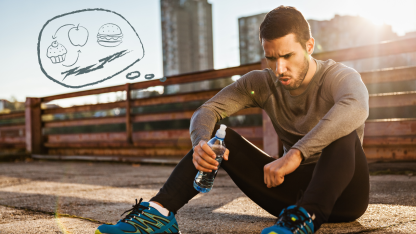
<point>280,67</point>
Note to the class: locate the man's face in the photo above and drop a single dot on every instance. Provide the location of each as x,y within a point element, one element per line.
<point>287,59</point>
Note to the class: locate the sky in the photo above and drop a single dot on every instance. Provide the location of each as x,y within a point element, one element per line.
<point>22,20</point>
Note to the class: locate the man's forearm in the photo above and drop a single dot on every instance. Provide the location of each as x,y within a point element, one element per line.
<point>202,123</point>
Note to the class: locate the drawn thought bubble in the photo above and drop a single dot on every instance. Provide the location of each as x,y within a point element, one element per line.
<point>86,47</point>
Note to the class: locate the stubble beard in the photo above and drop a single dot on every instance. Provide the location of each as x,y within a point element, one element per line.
<point>298,81</point>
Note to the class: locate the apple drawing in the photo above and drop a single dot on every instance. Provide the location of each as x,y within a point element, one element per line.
<point>78,35</point>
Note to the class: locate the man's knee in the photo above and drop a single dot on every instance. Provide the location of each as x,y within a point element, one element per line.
<point>348,139</point>
<point>343,144</point>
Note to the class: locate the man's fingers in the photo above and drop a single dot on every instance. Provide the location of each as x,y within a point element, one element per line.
<point>281,179</point>
<point>274,182</point>
<point>205,164</point>
<point>266,176</point>
<point>272,177</point>
<point>207,157</point>
<point>278,179</point>
<point>199,167</point>
<point>226,153</point>
<point>205,147</point>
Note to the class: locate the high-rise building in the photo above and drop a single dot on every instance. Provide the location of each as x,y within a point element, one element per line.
<point>337,33</point>
<point>343,32</point>
<point>409,35</point>
<point>251,50</point>
<point>186,36</point>
<point>347,31</point>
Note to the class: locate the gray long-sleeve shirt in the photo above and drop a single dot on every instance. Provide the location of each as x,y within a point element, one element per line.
<point>334,104</point>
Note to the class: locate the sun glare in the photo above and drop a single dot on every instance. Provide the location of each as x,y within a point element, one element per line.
<point>375,20</point>
<point>398,13</point>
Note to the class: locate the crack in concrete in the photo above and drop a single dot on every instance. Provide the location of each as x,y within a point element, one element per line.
<point>55,214</point>
<point>4,185</point>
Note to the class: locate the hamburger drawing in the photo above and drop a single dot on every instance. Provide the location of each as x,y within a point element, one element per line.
<point>109,35</point>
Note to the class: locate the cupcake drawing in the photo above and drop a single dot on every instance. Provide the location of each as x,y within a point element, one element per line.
<point>56,52</point>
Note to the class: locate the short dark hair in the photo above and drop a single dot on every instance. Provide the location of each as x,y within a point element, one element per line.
<point>282,21</point>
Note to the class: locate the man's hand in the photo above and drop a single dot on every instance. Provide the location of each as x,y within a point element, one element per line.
<point>274,172</point>
<point>204,158</point>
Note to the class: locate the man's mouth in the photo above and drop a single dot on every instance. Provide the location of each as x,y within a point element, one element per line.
<point>284,80</point>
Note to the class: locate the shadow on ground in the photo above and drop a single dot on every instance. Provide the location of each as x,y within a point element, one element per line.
<point>101,192</point>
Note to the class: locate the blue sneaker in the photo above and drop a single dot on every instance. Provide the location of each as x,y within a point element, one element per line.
<point>292,220</point>
<point>142,219</point>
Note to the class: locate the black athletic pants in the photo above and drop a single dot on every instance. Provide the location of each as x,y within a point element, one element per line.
<point>336,188</point>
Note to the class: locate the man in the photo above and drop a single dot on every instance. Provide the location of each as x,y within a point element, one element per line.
<point>318,109</point>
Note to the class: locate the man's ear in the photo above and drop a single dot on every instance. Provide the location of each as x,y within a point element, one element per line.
<point>310,45</point>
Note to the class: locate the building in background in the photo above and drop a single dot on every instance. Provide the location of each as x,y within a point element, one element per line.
<point>10,106</point>
<point>4,104</point>
<point>409,35</point>
<point>186,36</point>
<point>340,32</point>
<point>343,32</point>
<point>251,50</point>
<point>347,31</point>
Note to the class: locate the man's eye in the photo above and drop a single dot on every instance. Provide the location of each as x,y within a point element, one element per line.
<point>287,56</point>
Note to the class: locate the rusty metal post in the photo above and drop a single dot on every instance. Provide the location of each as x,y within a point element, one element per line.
<point>272,144</point>
<point>33,122</point>
<point>128,114</point>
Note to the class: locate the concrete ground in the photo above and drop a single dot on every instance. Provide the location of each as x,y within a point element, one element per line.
<point>76,197</point>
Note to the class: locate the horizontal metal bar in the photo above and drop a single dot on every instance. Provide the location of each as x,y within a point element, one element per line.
<point>13,115</point>
<point>392,153</point>
<point>81,122</point>
<point>163,116</point>
<point>184,115</point>
<point>172,161</point>
<point>369,51</point>
<point>13,139</point>
<point>175,98</point>
<point>390,127</point>
<point>101,106</point>
<point>12,145</point>
<point>389,75</point>
<point>86,137</point>
<point>109,144</point>
<point>12,127</point>
<point>393,99</point>
<point>142,143</point>
<point>199,76</point>
<point>132,152</point>
<point>389,141</point>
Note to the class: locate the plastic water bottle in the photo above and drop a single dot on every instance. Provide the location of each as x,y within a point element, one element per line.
<point>205,180</point>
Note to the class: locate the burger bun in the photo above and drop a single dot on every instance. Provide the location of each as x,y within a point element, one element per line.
<point>109,43</point>
<point>109,35</point>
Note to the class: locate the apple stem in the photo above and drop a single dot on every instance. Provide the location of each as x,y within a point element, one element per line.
<point>77,26</point>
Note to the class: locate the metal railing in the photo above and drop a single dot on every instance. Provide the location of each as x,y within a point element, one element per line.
<point>156,129</point>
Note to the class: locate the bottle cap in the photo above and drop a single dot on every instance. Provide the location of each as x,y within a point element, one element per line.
<point>221,131</point>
